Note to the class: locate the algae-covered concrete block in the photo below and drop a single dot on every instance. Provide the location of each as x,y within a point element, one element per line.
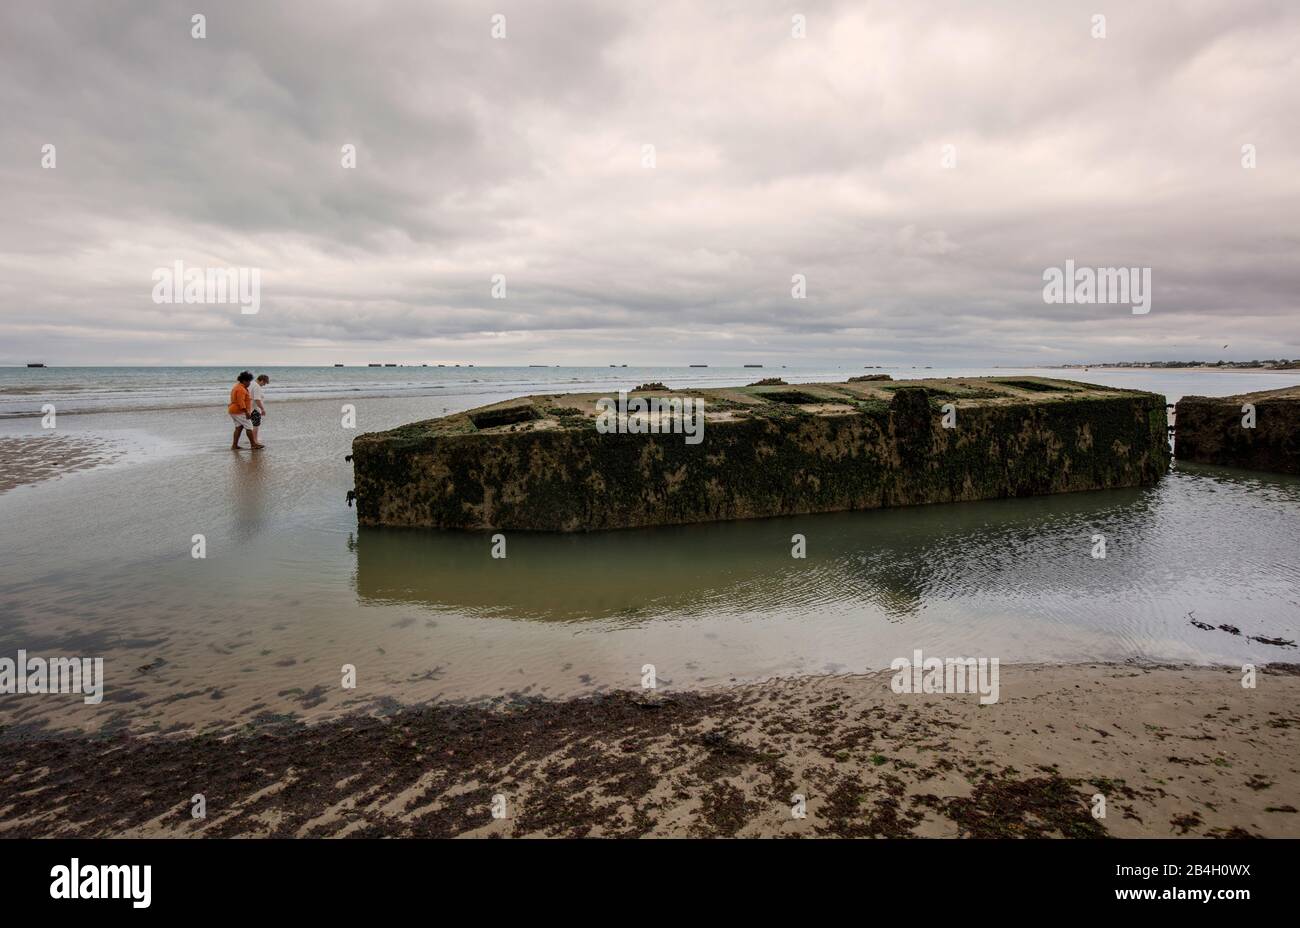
<point>1258,431</point>
<point>544,463</point>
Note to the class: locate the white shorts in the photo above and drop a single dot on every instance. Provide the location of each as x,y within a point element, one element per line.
<point>244,421</point>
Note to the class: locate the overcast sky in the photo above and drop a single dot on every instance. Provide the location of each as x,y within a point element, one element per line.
<point>523,156</point>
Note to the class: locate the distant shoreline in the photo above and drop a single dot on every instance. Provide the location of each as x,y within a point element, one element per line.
<point>845,365</point>
<point>1209,368</point>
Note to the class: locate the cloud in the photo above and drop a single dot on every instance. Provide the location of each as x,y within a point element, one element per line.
<point>774,156</point>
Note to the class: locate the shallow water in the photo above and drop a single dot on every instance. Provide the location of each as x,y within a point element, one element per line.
<point>98,564</point>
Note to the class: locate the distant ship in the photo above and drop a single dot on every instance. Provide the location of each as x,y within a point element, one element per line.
<point>699,365</point>
<point>338,365</point>
<point>753,365</point>
<point>37,364</point>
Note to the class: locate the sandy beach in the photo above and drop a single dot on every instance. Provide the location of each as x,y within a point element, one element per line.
<point>1175,751</point>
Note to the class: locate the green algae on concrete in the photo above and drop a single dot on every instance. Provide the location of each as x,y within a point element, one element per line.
<point>539,462</point>
<point>1211,430</point>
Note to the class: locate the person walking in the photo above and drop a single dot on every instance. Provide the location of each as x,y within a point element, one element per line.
<point>240,409</point>
<point>257,390</point>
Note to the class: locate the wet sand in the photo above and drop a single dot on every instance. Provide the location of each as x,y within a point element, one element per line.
<point>25,461</point>
<point>1176,751</point>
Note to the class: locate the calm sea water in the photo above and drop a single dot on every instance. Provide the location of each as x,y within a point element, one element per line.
<point>98,563</point>
<point>95,389</point>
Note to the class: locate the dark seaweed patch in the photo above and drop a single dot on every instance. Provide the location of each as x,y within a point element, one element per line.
<point>1035,386</point>
<point>508,415</point>
<point>794,397</point>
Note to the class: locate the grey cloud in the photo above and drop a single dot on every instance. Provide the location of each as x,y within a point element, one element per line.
<point>775,156</point>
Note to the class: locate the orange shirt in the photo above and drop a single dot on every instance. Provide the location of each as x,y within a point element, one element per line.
<point>240,402</point>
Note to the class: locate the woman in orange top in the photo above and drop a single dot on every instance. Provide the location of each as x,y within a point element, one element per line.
<point>240,408</point>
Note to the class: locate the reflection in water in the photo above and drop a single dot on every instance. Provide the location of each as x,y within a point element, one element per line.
<point>247,478</point>
<point>898,561</point>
